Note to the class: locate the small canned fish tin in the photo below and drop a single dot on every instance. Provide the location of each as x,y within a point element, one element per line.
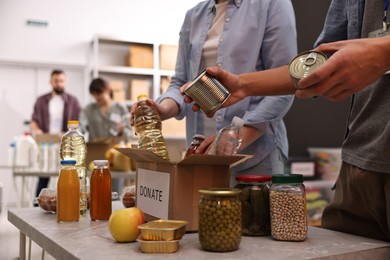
<point>207,92</point>
<point>305,63</point>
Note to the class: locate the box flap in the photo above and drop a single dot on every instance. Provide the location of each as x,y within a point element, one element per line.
<point>142,155</point>
<point>195,159</point>
<point>202,159</point>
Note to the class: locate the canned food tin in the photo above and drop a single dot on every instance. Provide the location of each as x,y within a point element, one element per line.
<point>305,63</point>
<point>207,92</point>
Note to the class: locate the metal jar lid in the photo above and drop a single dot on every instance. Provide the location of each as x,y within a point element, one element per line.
<point>305,63</point>
<point>220,191</point>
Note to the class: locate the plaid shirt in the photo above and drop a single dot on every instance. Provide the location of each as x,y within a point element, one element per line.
<point>41,113</point>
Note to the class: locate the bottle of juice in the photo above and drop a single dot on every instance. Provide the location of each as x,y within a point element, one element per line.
<point>68,192</point>
<point>100,191</point>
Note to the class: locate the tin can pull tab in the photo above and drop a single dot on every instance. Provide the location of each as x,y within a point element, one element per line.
<point>310,59</point>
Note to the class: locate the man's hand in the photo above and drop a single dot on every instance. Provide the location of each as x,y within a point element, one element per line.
<point>354,65</point>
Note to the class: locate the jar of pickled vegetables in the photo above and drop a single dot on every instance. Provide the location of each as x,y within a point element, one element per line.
<point>255,204</point>
<point>220,219</point>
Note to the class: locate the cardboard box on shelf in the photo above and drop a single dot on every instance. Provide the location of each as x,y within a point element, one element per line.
<point>138,87</point>
<point>169,189</point>
<point>118,90</point>
<point>140,56</point>
<point>164,83</point>
<point>168,55</point>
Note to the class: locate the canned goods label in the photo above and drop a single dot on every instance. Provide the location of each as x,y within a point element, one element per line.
<point>305,63</point>
<point>207,92</point>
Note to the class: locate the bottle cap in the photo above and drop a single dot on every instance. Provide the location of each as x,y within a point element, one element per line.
<point>100,162</point>
<point>237,121</point>
<point>73,122</point>
<point>199,136</point>
<point>142,97</point>
<point>68,162</point>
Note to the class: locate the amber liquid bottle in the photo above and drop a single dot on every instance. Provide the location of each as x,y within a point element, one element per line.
<point>68,193</point>
<point>100,191</point>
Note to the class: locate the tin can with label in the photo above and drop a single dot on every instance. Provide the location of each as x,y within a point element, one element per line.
<point>305,63</point>
<point>207,92</point>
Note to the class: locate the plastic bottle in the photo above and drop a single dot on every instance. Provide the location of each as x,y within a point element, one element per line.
<point>68,193</point>
<point>148,125</point>
<point>73,147</point>
<point>11,154</point>
<point>26,151</point>
<point>228,139</point>
<point>100,191</point>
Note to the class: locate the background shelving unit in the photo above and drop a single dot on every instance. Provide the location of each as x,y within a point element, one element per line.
<point>109,56</point>
<point>110,60</point>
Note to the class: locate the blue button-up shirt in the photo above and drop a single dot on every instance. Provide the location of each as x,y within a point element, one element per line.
<point>257,35</point>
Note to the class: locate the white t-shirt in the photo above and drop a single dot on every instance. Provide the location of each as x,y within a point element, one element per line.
<point>56,111</point>
<point>209,55</point>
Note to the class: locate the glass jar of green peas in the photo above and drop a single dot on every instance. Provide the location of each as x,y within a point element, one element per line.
<point>220,219</point>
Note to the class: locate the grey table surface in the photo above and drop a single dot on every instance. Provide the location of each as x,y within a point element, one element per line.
<point>91,240</point>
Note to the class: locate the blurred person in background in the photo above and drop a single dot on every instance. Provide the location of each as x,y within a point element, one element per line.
<point>52,112</point>
<point>104,117</point>
<point>240,36</point>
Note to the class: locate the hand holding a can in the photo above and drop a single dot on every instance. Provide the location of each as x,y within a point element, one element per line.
<point>227,79</point>
<point>354,65</point>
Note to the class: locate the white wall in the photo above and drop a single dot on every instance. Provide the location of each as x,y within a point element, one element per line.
<point>72,24</point>
<point>27,54</point>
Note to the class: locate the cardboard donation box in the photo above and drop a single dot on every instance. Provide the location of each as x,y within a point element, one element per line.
<point>169,189</point>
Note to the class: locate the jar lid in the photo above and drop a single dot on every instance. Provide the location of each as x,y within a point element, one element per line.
<point>287,178</point>
<point>100,162</point>
<point>253,178</point>
<point>68,162</point>
<point>220,191</point>
<point>199,136</point>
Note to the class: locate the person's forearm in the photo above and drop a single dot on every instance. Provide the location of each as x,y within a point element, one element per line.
<point>269,82</point>
<point>249,135</point>
<point>169,109</point>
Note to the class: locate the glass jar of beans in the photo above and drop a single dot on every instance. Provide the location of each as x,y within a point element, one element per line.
<point>219,219</point>
<point>288,207</point>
